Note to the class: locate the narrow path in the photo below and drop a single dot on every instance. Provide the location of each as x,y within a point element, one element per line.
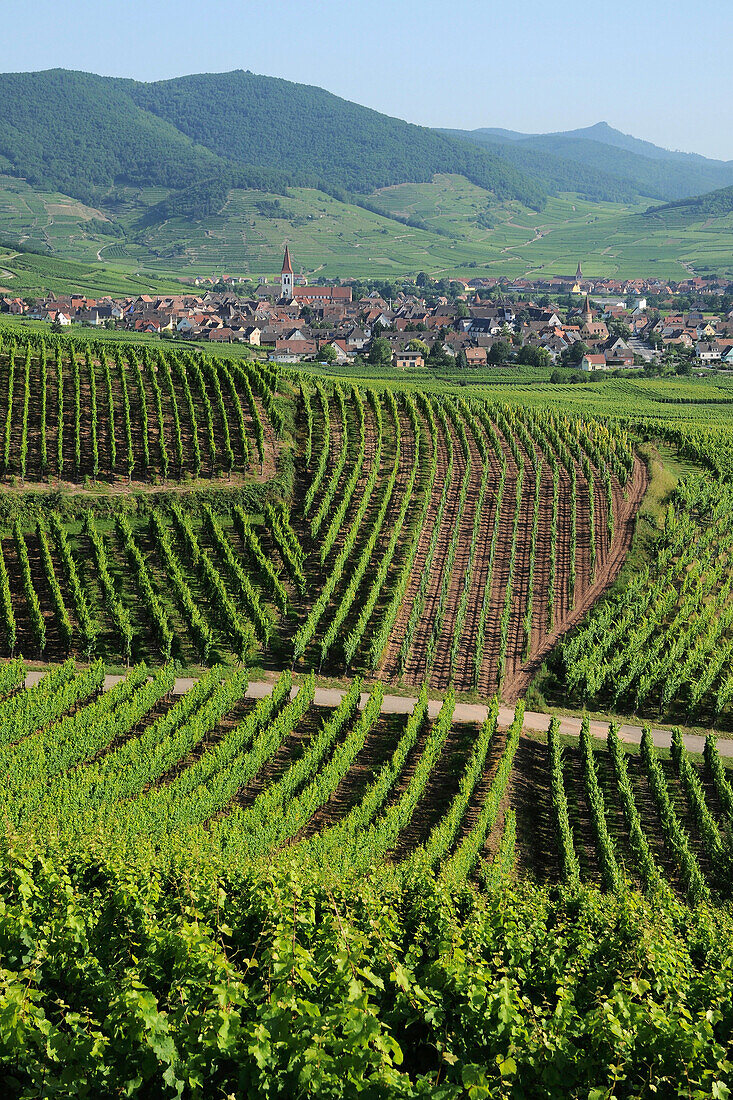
<point>476,713</point>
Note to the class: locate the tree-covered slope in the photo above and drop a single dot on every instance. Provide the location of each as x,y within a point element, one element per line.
<point>277,124</point>
<point>714,204</point>
<point>81,134</point>
<point>604,163</point>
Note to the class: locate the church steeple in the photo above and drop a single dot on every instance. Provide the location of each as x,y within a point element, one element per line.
<point>579,273</point>
<point>587,313</point>
<point>286,278</point>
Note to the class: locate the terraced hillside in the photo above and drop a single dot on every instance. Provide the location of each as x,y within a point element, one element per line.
<point>221,875</point>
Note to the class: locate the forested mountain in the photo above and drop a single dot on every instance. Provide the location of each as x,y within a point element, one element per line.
<point>79,134</point>
<point>714,204</point>
<point>82,134</point>
<point>603,163</point>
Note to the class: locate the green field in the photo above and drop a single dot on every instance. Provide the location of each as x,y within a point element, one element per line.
<point>466,233</point>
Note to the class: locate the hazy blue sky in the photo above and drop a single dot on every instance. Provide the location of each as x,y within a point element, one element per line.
<point>656,69</point>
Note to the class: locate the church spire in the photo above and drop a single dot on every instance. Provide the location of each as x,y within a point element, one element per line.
<point>286,278</point>
<point>579,273</point>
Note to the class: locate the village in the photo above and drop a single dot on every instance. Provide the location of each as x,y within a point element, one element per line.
<point>603,325</point>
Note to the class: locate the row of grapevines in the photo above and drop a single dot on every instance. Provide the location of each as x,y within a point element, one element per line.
<point>238,629</point>
<point>214,793</point>
<point>61,613</point>
<point>48,698</point>
<point>119,614</point>
<point>154,608</point>
<point>238,577</point>
<point>9,625</point>
<point>264,564</point>
<point>126,420</point>
<point>674,834</point>
<point>569,865</point>
<point>647,868</point>
<point>126,772</point>
<point>444,833</point>
<point>309,627</point>
<point>324,450</point>
<point>110,410</point>
<point>37,621</point>
<point>594,796</point>
<point>373,843</point>
<point>412,542</point>
<point>179,366</point>
<point>712,841</point>
<point>364,560</point>
<point>279,814</point>
<point>287,543</point>
<point>24,423</point>
<point>463,860</point>
<point>352,641</point>
<point>419,599</point>
<point>346,446</point>
<point>223,368</point>
<point>347,492</point>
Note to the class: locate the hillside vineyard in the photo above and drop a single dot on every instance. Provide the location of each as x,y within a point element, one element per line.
<point>437,540</point>
<point>254,844</point>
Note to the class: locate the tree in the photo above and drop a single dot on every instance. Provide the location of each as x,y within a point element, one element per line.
<point>500,352</point>
<point>423,279</point>
<point>419,345</point>
<point>380,352</point>
<point>438,356</point>
<point>572,355</point>
<point>328,353</point>
<point>462,310</point>
<point>461,360</point>
<point>533,356</point>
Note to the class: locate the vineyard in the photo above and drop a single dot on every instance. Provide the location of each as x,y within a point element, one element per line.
<point>95,412</point>
<point>352,785</point>
<point>253,844</point>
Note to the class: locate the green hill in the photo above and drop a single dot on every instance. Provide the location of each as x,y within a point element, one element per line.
<point>714,204</point>
<point>84,134</point>
<point>603,163</point>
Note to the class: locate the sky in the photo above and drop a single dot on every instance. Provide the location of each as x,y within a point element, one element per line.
<point>654,69</point>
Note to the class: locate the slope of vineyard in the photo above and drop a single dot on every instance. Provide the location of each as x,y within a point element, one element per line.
<point>245,782</point>
<point>211,885</point>
<point>78,411</point>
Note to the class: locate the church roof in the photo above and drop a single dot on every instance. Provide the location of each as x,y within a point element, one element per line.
<point>287,266</point>
<point>579,273</point>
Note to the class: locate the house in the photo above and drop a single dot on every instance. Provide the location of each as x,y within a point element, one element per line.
<point>592,361</point>
<point>708,353</point>
<point>405,359</point>
<point>299,348</point>
<point>476,357</point>
<point>339,346</point>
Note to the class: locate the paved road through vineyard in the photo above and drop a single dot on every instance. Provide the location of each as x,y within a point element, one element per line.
<point>464,712</point>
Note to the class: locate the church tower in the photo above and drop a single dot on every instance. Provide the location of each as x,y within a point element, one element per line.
<point>286,278</point>
<point>577,285</point>
<point>587,314</point>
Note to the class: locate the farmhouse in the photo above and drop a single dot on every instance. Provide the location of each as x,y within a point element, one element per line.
<point>407,358</point>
